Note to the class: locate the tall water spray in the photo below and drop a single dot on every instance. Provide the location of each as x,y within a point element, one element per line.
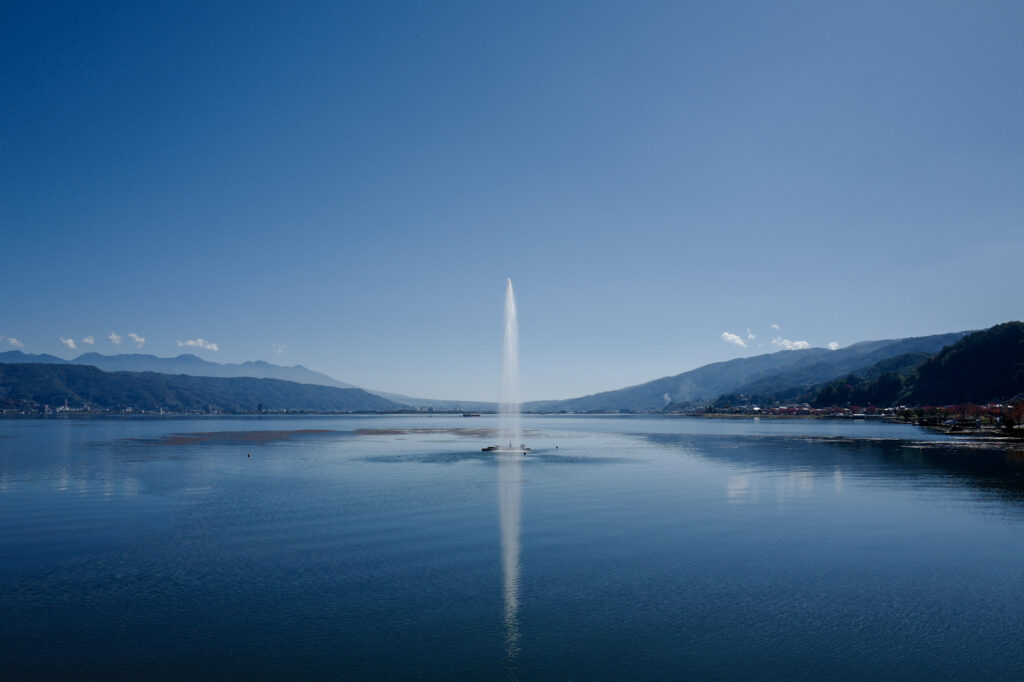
<point>509,475</point>
<point>511,431</point>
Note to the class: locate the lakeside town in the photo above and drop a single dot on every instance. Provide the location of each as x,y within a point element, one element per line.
<point>1002,418</point>
<point>992,418</point>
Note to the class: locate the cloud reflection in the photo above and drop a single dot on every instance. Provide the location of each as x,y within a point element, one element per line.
<point>737,489</point>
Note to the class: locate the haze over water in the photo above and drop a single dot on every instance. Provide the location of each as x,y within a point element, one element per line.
<point>391,547</point>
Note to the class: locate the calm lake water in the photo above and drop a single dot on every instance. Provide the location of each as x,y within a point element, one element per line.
<point>392,548</point>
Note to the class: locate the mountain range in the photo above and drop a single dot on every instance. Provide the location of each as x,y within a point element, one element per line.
<point>190,364</point>
<point>186,363</point>
<point>949,368</point>
<point>785,371</point>
<point>985,366</point>
<point>29,386</point>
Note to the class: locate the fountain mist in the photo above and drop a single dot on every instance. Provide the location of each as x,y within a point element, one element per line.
<point>511,430</point>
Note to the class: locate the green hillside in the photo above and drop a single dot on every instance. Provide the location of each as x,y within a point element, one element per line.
<point>30,385</point>
<point>880,385</point>
<point>981,367</point>
<point>782,375</point>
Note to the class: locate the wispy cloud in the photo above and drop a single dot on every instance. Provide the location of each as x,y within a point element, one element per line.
<point>750,335</point>
<point>733,339</point>
<point>786,344</point>
<point>114,338</point>
<point>89,340</point>
<point>68,343</point>
<point>775,327</point>
<point>833,345</point>
<point>13,341</point>
<point>278,348</point>
<point>198,343</point>
<point>139,341</point>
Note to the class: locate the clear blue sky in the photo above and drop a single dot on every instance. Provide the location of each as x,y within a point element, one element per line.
<point>355,181</point>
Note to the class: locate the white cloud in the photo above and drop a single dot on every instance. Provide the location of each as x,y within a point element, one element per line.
<point>114,338</point>
<point>833,345</point>
<point>68,343</point>
<point>733,339</point>
<point>198,343</point>
<point>139,341</point>
<point>750,335</point>
<point>786,344</point>
<point>278,348</point>
<point>89,340</point>
<point>14,342</point>
<point>775,327</point>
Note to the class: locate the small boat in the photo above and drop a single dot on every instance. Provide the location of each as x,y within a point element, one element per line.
<point>470,414</point>
<point>490,448</point>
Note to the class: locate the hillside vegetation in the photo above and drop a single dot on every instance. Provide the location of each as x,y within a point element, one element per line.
<point>981,367</point>
<point>29,385</point>
<point>986,366</point>
<point>783,375</point>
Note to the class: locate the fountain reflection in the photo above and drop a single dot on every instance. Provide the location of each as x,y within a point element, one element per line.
<point>509,505</point>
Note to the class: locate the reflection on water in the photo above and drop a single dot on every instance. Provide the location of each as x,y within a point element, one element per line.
<point>668,548</point>
<point>792,463</point>
<point>798,483</point>
<point>737,488</point>
<point>510,503</point>
<point>743,488</point>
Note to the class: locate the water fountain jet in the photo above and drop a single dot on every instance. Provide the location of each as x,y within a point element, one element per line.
<point>511,431</point>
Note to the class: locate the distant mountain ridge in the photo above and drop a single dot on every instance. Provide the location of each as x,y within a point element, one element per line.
<point>186,363</point>
<point>984,366</point>
<point>782,375</point>
<point>192,365</point>
<point>439,403</point>
<point>786,370</point>
<point>867,354</point>
<point>30,385</point>
<point>18,357</point>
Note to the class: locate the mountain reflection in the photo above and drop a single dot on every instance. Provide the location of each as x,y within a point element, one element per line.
<point>973,464</point>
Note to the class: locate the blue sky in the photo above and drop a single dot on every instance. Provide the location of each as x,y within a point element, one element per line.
<point>352,183</point>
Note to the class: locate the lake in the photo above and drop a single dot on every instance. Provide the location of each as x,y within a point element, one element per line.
<point>391,547</point>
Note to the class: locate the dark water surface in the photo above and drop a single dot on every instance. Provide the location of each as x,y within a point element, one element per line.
<point>392,548</point>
